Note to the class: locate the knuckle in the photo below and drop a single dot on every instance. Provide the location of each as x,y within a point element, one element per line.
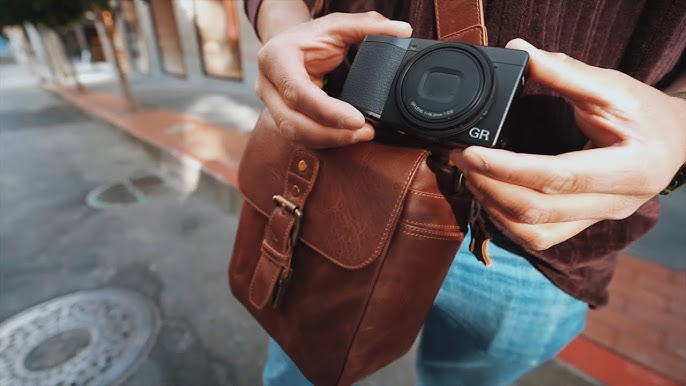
<point>344,139</point>
<point>648,182</point>
<point>562,181</point>
<point>622,209</point>
<point>326,23</point>
<point>563,58</point>
<point>291,94</point>
<point>375,16</point>
<point>258,87</point>
<point>612,73</point>
<point>651,187</point>
<point>532,215</point>
<point>284,126</point>
<point>623,213</point>
<point>263,55</point>
<point>539,240</point>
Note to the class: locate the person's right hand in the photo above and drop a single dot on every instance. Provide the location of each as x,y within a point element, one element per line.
<point>291,69</point>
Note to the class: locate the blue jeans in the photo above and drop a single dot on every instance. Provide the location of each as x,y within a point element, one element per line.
<point>488,325</point>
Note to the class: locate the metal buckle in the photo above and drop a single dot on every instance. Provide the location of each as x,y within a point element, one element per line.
<point>295,211</point>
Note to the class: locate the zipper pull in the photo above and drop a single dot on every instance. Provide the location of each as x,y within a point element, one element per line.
<point>480,236</point>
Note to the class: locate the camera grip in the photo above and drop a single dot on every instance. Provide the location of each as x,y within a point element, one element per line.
<point>371,76</point>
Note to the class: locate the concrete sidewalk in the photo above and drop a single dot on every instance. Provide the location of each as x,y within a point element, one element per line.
<point>637,339</point>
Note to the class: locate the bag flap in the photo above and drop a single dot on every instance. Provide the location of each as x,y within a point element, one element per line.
<point>354,206</point>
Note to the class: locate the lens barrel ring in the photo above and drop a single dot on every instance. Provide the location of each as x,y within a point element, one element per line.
<point>476,91</point>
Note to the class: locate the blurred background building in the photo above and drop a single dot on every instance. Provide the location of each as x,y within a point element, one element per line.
<point>185,39</point>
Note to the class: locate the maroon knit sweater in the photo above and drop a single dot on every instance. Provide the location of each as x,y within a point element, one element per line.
<point>645,39</point>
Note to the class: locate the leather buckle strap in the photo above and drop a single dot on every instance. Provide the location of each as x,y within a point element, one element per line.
<point>273,271</point>
<point>461,21</point>
<point>296,212</point>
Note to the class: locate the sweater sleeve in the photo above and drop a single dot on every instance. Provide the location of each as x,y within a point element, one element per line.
<point>251,8</point>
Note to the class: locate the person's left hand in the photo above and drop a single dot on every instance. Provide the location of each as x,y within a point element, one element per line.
<point>637,143</point>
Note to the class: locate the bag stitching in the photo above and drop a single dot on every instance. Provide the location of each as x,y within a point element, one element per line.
<point>425,194</point>
<point>432,225</point>
<point>396,209</point>
<point>428,231</point>
<point>466,30</point>
<point>252,282</point>
<point>429,236</point>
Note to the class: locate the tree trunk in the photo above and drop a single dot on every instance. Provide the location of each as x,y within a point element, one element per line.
<point>19,34</point>
<point>50,59</point>
<point>63,67</point>
<point>108,27</point>
<point>74,75</point>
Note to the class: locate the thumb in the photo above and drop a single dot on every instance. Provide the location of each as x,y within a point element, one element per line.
<point>351,28</point>
<point>570,77</point>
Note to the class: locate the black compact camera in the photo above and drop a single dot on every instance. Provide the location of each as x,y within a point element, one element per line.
<point>450,94</point>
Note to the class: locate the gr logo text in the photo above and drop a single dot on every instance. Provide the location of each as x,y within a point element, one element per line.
<point>480,134</point>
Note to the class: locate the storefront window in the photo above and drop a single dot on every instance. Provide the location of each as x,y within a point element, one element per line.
<point>216,24</point>
<point>168,38</point>
<point>135,40</point>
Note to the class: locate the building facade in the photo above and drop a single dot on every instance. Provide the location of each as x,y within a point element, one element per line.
<point>187,39</point>
<point>193,40</point>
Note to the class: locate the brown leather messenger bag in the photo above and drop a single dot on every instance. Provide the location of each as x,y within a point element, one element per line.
<point>340,252</point>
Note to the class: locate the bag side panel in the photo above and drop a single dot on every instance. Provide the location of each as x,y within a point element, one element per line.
<point>430,232</point>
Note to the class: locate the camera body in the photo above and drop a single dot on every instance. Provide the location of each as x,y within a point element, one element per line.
<point>439,93</point>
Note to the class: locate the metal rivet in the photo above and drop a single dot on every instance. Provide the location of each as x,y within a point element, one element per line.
<point>295,190</point>
<point>302,165</point>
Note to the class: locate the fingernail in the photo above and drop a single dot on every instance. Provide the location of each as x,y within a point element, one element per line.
<point>526,43</point>
<point>472,158</point>
<point>521,44</point>
<point>363,134</point>
<point>401,25</point>
<point>351,122</point>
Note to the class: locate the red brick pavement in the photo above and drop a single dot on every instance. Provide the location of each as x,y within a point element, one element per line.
<point>638,339</point>
<point>646,318</point>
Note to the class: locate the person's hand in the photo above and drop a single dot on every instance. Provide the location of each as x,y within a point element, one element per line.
<point>291,69</point>
<point>637,143</point>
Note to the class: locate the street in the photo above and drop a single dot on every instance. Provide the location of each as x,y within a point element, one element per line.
<point>171,248</point>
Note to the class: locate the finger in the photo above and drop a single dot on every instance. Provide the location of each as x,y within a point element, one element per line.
<point>351,28</point>
<point>302,95</point>
<point>570,77</point>
<point>529,206</point>
<point>300,128</point>
<point>288,74</point>
<point>605,170</point>
<point>538,237</point>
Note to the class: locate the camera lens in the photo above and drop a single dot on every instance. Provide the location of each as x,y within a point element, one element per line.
<point>446,88</point>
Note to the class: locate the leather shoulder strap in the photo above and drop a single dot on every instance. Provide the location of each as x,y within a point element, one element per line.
<point>461,21</point>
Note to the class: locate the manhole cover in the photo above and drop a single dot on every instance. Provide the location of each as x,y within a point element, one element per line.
<point>129,191</point>
<point>86,338</point>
